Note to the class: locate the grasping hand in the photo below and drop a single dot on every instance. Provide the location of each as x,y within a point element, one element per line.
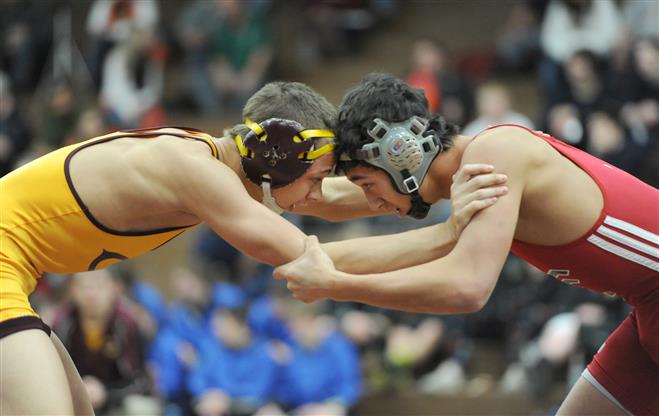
<point>475,187</point>
<point>308,275</point>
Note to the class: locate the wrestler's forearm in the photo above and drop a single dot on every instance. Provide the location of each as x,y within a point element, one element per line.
<point>390,252</point>
<point>438,287</point>
<point>460,282</point>
<point>271,240</point>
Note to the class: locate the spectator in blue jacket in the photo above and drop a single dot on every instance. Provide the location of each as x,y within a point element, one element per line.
<point>182,330</point>
<point>323,375</point>
<point>170,358</point>
<point>265,318</point>
<point>191,309</point>
<point>237,371</point>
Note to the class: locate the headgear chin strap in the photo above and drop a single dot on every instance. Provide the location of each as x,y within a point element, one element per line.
<point>405,151</point>
<point>277,151</point>
<point>269,200</point>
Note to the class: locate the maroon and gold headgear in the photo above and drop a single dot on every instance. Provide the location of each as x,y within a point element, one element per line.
<point>279,151</point>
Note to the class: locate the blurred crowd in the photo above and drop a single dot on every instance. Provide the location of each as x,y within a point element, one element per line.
<point>230,340</point>
<point>214,348</point>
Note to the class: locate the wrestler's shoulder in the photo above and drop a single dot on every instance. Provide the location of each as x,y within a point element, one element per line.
<point>506,133</point>
<point>503,140</point>
<point>181,147</point>
<point>507,141</point>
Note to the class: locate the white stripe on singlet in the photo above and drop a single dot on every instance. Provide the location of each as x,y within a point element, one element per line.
<point>628,241</point>
<point>624,253</point>
<point>589,377</point>
<point>632,229</point>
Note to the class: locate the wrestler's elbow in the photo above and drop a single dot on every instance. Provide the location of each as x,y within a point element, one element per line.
<point>475,289</point>
<point>481,291</point>
<point>459,299</point>
<point>473,302</point>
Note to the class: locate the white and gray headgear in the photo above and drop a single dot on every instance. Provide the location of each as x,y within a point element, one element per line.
<point>405,151</point>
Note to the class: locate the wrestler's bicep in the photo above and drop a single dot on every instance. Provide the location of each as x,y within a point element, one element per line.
<point>218,198</point>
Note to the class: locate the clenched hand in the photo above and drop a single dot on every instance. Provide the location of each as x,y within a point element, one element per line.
<point>308,275</point>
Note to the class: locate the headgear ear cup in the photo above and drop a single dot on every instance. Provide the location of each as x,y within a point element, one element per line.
<point>402,150</point>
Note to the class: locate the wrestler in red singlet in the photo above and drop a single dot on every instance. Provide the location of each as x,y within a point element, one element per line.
<point>618,256</point>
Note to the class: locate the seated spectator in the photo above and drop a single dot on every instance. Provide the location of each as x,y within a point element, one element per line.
<point>447,92</point>
<point>585,86</point>
<point>641,111</point>
<point>265,317</point>
<point>575,25</point>
<point>170,358</point>
<point>420,349</point>
<point>175,349</point>
<point>518,44</point>
<point>195,28</point>
<point>493,103</point>
<point>567,341</point>
<point>191,307</point>
<point>144,301</point>
<point>552,331</point>
<point>26,35</point>
<point>610,142</point>
<point>366,329</point>
<point>237,371</point>
<point>322,376</point>
<point>229,53</point>
<point>105,344</point>
<point>181,333</point>
<point>59,117</point>
<point>132,83</point>
<point>112,22</point>
<point>337,24</point>
<point>228,296</point>
<point>15,134</point>
<point>584,94</point>
<point>241,54</point>
<point>426,64</point>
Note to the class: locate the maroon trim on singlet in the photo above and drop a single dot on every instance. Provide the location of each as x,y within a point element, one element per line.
<point>192,129</point>
<point>22,323</point>
<point>151,132</point>
<point>84,207</point>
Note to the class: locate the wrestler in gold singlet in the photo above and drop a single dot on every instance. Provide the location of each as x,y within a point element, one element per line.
<point>46,228</point>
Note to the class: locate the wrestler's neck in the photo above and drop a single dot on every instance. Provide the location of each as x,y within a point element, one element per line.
<point>437,183</point>
<point>230,156</point>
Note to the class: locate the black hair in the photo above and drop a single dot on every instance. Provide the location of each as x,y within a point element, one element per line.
<point>388,98</point>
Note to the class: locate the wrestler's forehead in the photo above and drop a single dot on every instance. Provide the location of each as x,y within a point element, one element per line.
<point>322,165</point>
<point>363,172</point>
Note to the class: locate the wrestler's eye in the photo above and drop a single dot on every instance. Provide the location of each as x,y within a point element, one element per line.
<point>366,186</point>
